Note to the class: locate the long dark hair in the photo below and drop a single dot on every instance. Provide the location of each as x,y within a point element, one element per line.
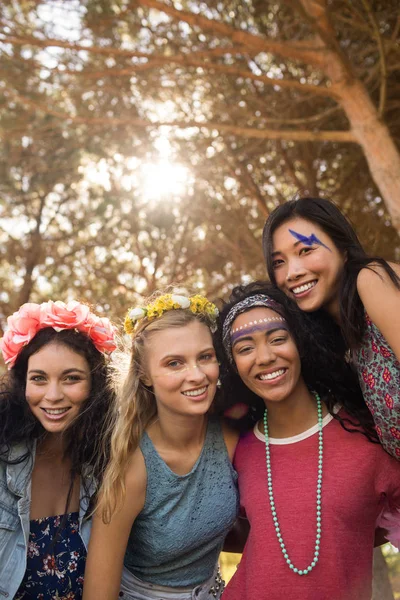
<point>82,438</point>
<point>327,215</point>
<point>320,346</point>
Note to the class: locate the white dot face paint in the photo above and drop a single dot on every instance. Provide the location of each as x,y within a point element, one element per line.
<point>307,265</point>
<point>271,324</point>
<point>182,369</point>
<point>265,355</point>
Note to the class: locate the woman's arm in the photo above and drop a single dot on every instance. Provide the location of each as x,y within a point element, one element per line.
<point>381,300</point>
<point>108,542</point>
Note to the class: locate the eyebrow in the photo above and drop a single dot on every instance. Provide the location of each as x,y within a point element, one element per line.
<point>294,246</point>
<point>246,335</point>
<point>74,370</point>
<point>208,349</point>
<point>309,240</point>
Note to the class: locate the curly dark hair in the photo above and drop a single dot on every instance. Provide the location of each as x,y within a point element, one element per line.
<point>321,350</point>
<point>83,437</point>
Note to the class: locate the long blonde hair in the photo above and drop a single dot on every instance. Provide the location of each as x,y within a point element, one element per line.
<point>134,409</point>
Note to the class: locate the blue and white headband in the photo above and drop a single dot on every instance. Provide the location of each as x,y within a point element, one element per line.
<point>238,309</point>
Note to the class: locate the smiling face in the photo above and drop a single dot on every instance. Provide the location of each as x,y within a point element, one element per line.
<point>57,384</point>
<point>307,265</point>
<point>182,369</point>
<point>265,355</point>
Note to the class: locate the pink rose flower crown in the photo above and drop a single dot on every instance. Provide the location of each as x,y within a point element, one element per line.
<point>24,324</point>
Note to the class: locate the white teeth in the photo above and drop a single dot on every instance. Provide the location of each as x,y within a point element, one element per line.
<point>272,375</point>
<point>195,392</point>
<point>304,288</point>
<point>55,411</point>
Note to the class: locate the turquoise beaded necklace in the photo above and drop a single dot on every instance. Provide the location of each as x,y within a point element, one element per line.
<point>319,490</point>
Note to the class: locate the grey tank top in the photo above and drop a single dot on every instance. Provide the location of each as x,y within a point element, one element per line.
<point>177,537</point>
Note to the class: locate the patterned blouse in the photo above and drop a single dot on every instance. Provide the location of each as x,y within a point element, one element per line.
<point>379,376</point>
<point>54,570</point>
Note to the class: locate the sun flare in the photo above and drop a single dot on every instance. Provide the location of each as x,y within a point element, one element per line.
<point>163,179</point>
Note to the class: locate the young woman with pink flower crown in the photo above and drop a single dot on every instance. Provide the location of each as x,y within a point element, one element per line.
<point>53,404</point>
<point>169,494</point>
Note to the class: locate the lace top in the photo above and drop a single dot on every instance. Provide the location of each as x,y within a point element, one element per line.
<point>54,570</point>
<point>379,376</point>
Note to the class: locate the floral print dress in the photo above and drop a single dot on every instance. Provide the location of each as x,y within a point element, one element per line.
<point>54,571</point>
<point>379,376</point>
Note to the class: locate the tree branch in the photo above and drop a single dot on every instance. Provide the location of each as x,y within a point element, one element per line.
<point>29,40</point>
<point>313,54</point>
<point>186,61</point>
<point>247,132</point>
<point>196,59</point>
<point>382,57</point>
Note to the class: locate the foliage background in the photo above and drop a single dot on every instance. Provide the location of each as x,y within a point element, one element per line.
<point>145,142</point>
<point>235,93</point>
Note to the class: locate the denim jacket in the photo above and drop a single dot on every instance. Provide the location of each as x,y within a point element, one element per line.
<point>15,501</point>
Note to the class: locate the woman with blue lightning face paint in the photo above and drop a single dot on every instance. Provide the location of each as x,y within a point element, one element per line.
<point>314,256</point>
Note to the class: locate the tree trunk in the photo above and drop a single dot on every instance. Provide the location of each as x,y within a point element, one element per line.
<point>32,258</point>
<point>370,132</point>
<point>378,146</point>
<point>381,588</point>
<point>32,261</point>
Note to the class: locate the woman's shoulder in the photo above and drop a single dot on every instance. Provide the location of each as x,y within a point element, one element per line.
<point>350,438</point>
<point>136,470</point>
<point>250,437</point>
<point>380,295</point>
<point>374,274</point>
<point>16,465</point>
<point>18,452</point>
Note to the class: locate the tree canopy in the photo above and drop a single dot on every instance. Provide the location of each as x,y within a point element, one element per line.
<point>256,100</point>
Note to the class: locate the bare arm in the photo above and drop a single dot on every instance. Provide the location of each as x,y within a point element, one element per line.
<point>381,300</point>
<point>108,541</point>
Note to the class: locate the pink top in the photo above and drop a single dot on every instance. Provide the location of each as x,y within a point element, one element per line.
<point>358,477</point>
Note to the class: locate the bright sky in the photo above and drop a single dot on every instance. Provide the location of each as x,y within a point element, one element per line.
<point>156,180</point>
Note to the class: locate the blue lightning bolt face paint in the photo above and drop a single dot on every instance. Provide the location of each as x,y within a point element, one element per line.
<point>308,240</point>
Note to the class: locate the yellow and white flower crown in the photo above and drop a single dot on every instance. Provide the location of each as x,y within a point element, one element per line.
<point>196,304</point>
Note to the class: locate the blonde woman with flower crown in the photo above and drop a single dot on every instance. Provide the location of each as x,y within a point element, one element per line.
<point>53,404</point>
<point>169,494</point>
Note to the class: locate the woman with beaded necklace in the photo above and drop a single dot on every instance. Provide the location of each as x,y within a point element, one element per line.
<point>312,481</point>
